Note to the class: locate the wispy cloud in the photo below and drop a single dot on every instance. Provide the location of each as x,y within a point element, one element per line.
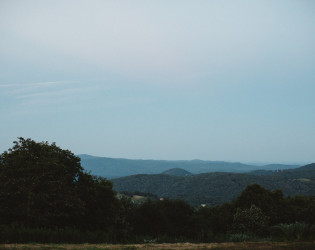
<point>70,95</point>
<point>37,84</point>
<point>42,92</point>
<point>28,87</point>
<point>50,96</point>
<point>54,93</point>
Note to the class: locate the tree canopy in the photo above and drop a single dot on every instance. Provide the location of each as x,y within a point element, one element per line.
<point>44,185</point>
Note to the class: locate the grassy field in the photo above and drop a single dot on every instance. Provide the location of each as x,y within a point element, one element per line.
<point>237,246</point>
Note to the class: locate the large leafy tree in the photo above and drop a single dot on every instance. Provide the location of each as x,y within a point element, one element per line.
<point>272,203</point>
<point>42,185</point>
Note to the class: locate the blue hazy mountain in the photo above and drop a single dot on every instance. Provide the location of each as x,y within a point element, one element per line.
<point>118,167</point>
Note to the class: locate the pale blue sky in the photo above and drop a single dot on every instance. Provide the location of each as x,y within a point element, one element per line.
<point>212,80</point>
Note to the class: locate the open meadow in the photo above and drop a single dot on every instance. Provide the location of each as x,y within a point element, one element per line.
<point>236,246</point>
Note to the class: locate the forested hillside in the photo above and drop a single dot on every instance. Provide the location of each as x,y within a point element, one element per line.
<point>218,188</point>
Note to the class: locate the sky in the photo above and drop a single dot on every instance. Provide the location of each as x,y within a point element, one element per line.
<point>230,80</point>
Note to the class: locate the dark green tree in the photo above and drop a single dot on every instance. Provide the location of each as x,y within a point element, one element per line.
<point>148,219</point>
<point>179,217</point>
<point>272,203</point>
<point>100,206</point>
<point>42,185</point>
<point>300,209</point>
<point>212,221</point>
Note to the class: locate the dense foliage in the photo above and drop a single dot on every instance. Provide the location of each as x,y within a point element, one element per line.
<point>46,196</point>
<point>42,185</point>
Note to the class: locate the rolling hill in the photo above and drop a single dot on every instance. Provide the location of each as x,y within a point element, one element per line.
<point>177,172</point>
<point>218,188</point>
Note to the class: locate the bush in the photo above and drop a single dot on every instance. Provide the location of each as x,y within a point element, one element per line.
<point>294,231</point>
<point>239,237</point>
<point>250,221</point>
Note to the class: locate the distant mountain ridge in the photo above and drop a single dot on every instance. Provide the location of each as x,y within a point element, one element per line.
<point>119,167</point>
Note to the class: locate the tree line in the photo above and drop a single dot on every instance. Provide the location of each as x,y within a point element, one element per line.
<point>46,196</point>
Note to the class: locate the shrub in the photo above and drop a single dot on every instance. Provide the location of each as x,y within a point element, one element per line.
<point>294,231</point>
<point>250,221</point>
<point>239,237</point>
